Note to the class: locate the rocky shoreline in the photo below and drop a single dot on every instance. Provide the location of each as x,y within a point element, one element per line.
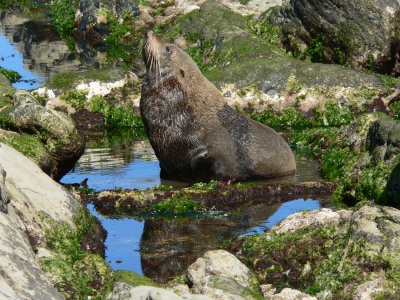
<point>52,248</point>
<point>351,242</point>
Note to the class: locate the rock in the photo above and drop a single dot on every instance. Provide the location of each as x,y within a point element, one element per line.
<point>20,274</point>
<point>357,32</point>
<point>290,294</point>
<point>220,275</point>
<point>6,90</point>
<point>43,216</point>
<point>128,292</point>
<point>251,72</point>
<point>370,289</point>
<point>29,199</point>
<point>357,132</point>
<point>383,140</point>
<point>324,216</point>
<point>392,185</point>
<point>4,199</point>
<point>125,291</point>
<point>52,133</point>
<point>379,227</point>
<point>354,257</point>
<point>30,191</point>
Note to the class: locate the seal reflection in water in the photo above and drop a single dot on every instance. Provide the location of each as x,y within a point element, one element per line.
<point>195,135</point>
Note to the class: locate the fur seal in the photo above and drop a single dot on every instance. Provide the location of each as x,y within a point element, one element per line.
<point>195,135</point>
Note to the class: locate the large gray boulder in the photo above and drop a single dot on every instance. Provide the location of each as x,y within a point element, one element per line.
<point>234,60</point>
<point>361,33</point>
<point>31,192</point>
<point>30,202</point>
<point>21,276</point>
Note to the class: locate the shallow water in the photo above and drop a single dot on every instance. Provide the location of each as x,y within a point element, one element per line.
<point>158,248</point>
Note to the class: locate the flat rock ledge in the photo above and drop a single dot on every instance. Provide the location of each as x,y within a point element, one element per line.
<point>222,198</point>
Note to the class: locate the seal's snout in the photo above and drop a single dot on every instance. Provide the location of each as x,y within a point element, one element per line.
<point>151,50</point>
<point>147,33</point>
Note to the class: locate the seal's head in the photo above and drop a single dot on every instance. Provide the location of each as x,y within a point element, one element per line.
<point>164,60</point>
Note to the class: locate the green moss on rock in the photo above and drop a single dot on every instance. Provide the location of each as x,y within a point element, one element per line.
<point>69,80</point>
<point>6,91</point>
<point>329,260</point>
<point>127,277</point>
<point>29,145</point>
<point>77,273</point>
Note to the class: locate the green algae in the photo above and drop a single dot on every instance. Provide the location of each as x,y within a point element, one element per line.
<point>69,80</point>
<point>324,259</point>
<point>77,273</point>
<point>174,207</point>
<point>115,116</point>
<point>6,92</point>
<point>127,277</point>
<point>11,75</point>
<point>29,145</point>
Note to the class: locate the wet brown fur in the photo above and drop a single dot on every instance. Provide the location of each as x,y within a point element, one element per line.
<point>195,135</point>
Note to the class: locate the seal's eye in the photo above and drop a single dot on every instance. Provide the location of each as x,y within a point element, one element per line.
<point>169,50</point>
<point>182,73</point>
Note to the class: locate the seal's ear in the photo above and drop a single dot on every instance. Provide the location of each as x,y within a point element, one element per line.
<point>182,73</point>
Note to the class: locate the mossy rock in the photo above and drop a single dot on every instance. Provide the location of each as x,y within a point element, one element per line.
<point>128,277</point>
<point>6,91</point>
<point>322,259</point>
<point>49,136</point>
<point>29,145</point>
<point>76,263</point>
<point>277,71</point>
<point>68,81</point>
<point>230,53</point>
